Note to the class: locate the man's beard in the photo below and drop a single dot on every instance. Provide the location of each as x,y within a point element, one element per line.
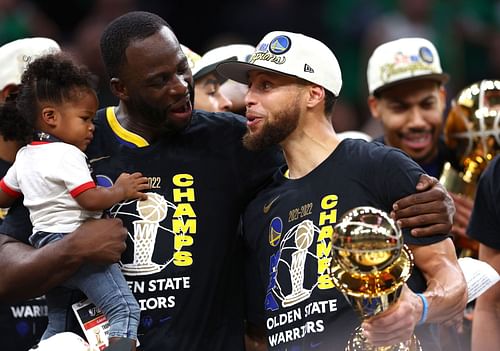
<point>157,117</point>
<point>273,133</point>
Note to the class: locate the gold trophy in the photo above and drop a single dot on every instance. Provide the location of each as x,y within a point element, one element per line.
<point>370,265</point>
<point>472,132</point>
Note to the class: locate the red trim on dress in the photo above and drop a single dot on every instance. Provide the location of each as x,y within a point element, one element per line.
<point>5,188</point>
<point>81,188</point>
<point>39,142</point>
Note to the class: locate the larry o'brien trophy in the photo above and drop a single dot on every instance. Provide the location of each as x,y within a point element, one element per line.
<point>370,265</point>
<point>472,132</point>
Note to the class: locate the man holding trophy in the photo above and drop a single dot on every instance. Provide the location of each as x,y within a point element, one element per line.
<point>293,82</point>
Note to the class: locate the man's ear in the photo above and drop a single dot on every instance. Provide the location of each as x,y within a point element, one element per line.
<point>50,116</point>
<point>442,97</point>
<point>118,89</point>
<point>373,106</point>
<point>316,95</point>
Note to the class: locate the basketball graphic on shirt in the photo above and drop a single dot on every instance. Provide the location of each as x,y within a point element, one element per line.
<point>145,221</point>
<point>154,208</point>
<point>294,261</point>
<point>304,235</point>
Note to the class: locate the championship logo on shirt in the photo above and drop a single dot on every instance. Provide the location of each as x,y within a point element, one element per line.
<point>305,248</point>
<point>288,283</point>
<point>159,231</point>
<point>151,213</point>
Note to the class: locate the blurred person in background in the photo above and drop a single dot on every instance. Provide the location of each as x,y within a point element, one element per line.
<point>233,90</point>
<point>207,82</point>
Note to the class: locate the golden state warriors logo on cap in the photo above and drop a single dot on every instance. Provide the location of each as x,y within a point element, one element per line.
<point>426,54</point>
<point>280,45</point>
<point>275,231</point>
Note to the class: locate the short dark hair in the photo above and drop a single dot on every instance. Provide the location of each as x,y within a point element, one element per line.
<point>51,78</point>
<point>121,31</point>
<point>330,100</point>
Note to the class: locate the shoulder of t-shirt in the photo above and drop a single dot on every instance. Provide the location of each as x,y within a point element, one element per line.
<point>362,151</point>
<point>494,166</point>
<point>218,119</point>
<point>491,174</point>
<point>65,146</point>
<point>61,151</point>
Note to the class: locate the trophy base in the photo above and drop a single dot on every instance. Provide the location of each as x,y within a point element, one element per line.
<point>132,269</point>
<point>296,298</point>
<point>358,343</point>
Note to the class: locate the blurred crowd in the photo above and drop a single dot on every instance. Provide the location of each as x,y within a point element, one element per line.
<point>465,33</point>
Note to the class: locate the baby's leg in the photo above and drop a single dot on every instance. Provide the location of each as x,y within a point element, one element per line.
<point>58,305</point>
<point>106,287</point>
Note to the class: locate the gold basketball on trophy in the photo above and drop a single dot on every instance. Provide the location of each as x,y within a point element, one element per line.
<point>365,241</point>
<point>370,265</point>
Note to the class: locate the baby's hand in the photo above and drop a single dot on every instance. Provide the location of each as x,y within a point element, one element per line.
<point>131,185</point>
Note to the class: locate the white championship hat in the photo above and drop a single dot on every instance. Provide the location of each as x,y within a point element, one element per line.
<point>16,55</point>
<point>191,56</point>
<point>241,51</point>
<point>292,54</point>
<point>212,58</point>
<point>62,342</point>
<point>402,60</point>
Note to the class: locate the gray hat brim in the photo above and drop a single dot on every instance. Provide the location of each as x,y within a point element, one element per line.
<point>211,68</point>
<point>238,71</point>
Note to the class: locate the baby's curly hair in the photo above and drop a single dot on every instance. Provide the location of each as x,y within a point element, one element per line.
<point>53,78</point>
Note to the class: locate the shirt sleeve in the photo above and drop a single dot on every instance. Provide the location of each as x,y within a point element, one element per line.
<point>399,180</point>
<point>76,173</point>
<point>9,184</point>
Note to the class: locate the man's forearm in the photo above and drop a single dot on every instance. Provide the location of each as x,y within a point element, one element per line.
<point>446,291</point>
<point>30,272</point>
<point>486,322</point>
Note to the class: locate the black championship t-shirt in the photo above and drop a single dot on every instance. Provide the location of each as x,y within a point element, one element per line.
<point>303,310</point>
<point>485,218</point>
<point>183,258</point>
<point>21,324</point>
